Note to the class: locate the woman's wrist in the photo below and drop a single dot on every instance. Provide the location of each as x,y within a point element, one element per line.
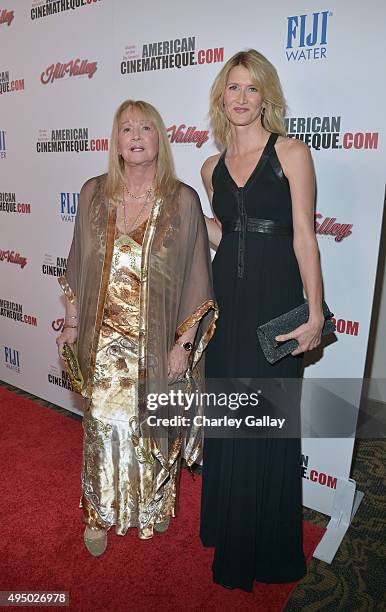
<point>186,346</point>
<point>316,320</point>
<point>70,322</point>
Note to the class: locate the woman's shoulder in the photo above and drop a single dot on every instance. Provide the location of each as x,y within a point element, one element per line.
<point>189,203</point>
<point>187,193</point>
<point>90,186</point>
<point>294,156</point>
<point>289,147</point>
<point>90,191</point>
<point>209,165</point>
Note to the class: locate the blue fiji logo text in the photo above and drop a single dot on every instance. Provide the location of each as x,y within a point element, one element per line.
<point>307,36</point>
<point>68,205</point>
<point>12,359</point>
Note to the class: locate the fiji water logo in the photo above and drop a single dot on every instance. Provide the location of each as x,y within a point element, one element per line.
<point>3,146</point>
<point>307,36</point>
<point>12,359</point>
<point>68,206</point>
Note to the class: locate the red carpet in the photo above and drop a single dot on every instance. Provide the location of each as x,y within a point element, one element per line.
<point>41,531</point>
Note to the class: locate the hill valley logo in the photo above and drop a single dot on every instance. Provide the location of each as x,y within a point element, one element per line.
<point>327,226</point>
<point>72,68</point>
<point>13,257</point>
<point>307,36</point>
<point>58,325</point>
<point>6,17</point>
<point>187,135</point>
<point>163,55</point>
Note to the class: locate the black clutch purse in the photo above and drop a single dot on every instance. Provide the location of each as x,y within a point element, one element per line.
<point>285,323</point>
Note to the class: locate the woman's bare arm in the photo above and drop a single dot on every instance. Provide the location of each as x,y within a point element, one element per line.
<point>296,161</point>
<point>70,331</point>
<point>213,225</point>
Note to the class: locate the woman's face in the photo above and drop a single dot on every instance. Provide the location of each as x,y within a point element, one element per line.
<point>242,101</point>
<point>137,138</point>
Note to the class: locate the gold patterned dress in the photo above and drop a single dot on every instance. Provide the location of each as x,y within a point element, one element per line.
<point>116,480</point>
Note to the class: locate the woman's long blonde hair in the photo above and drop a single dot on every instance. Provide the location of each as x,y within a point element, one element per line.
<point>165,178</point>
<point>265,78</point>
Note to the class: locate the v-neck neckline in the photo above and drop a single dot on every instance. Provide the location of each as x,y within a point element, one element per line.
<point>132,231</point>
<point>254,172</point>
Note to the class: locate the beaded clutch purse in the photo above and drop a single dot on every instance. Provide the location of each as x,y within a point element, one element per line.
<point>285,323</point>
<point>72,367</point>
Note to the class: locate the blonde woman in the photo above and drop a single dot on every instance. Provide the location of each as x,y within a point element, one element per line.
<point>139,304</point>
<point>261,188</point>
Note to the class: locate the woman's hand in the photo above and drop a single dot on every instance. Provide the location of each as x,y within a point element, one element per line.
<point>69,335</point>
<point>177,363</point>
<point>214,231</point>
<point>308,336</point>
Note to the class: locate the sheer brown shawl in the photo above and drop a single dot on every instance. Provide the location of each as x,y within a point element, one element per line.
<point>176,293</point>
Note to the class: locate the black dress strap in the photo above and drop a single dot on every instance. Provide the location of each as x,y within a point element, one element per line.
<point>217,168</point>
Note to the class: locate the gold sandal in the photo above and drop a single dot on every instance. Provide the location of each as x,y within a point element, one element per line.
<point>96,546</point>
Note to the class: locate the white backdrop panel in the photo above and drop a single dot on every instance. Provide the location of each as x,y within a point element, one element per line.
<point>343,83</point>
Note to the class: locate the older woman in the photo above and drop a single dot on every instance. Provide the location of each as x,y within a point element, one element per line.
<point>139,304</point>
<point>262,192</point>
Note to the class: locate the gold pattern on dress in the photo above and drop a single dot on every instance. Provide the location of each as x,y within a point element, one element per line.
<point>121,364</point>
<point>127,479</point>
<point>197,316</point>
<point>118,471</point>
<point>127,383</point>
<point>192,320</point>
<point>90,516</point>
<point>98,430</point>
<point>110,231</point>
<point>141,451</point>
<point>104,383</point>
<point>144,287</point>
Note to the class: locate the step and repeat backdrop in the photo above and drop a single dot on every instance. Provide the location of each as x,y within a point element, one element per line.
<point>66,65</point>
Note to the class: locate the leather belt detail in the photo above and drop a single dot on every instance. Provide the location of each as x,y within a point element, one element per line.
<point>262,226</point>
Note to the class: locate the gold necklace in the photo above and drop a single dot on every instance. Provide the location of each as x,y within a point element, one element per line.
<point>148,193</point>
<point>135,222</point>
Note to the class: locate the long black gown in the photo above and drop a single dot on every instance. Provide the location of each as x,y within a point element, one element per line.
<point>251,510</point>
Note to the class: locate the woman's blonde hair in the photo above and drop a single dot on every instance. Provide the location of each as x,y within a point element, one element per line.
<point>165,178</point>
<point>264,76</point>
